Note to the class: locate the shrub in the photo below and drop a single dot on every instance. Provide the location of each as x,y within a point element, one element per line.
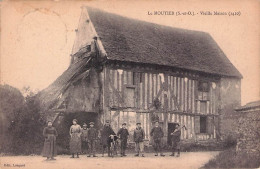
<point>230,159</point>
<point>22,129</point>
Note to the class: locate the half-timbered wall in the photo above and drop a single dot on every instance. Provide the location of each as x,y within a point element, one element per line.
<point>129,96</point>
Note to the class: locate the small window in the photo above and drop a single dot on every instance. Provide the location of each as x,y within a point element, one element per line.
<point>203,124</point>
<point>203,86</point>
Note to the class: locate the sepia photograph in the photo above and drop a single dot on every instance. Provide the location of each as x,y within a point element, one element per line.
<point>129,84</point>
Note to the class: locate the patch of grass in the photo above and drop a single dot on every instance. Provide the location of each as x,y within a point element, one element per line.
<point>230,159</point>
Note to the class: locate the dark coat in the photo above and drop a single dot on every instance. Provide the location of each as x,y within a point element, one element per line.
<point>176,136</point>
<point>139,135</point>
<point>49,148</point>
<point>105,133</point>
<point>157,133</point>
<point>84,135</point>
<point>123,134</point>
<point>92,134</point>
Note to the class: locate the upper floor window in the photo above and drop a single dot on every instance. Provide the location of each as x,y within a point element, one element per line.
<point>203,90</point>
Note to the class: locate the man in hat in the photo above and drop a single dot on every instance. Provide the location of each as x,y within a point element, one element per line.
<point>84,139</point>
<point>105,133</point>
<point>157,134</point>
<point>92,138</point>
<point>139,139</point>
<point>176,138</point>
<point>123,135</point>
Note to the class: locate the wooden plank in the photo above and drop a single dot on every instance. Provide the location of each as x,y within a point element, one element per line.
<point>146,123</point>
<point>178,93</point>
<point>150,90</point>
<point>123,81</point>
<point>162,95</point>
<point>175,91</point>
<point>146,89</point>
<point>214,98</point>
<point>170,117</point>
<point>169,93</point>
<point>193,96</point>
<point>137,81</point>
<point>192,127</point>
<point>184,95</point>
<point>188,127</point>
<point>112,84</point>
<point>125,77</point>
<point>152,84</point>
<point>185,123</point>
<point>143,91</point>
<point>181,123</point>
<point>189,95</point>
<point>207,107</point>
<point>149,124</point>
<point>196,96</point>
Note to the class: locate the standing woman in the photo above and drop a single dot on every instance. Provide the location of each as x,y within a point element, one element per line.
<point>49,148</point>
<point>75,138</point>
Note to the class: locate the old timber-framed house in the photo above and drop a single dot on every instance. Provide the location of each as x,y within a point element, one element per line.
<point>127,70</point>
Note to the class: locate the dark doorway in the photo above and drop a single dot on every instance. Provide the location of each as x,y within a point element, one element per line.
<point>203,124</point>
<point>64,122</point>
<point>82,117</point>
<point>171,128</point>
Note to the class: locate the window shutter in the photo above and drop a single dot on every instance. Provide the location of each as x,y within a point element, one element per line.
<point>197,124</point>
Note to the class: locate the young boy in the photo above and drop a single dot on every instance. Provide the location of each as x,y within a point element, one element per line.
<point>157,134</point>
<point>92,138</point>
<point>123,135</point>
<point>84,139</point>
<point>176,140</point>
<point>139,139</point>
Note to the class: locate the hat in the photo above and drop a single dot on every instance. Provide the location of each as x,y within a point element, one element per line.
<point>107,121</point>
<point>138,123</point>
<point>91,123</point>
<point>75,120</point>
<point>84,125</point>
<point>124,124</point>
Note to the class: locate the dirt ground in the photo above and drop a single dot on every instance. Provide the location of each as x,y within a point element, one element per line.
<point>187,160</point>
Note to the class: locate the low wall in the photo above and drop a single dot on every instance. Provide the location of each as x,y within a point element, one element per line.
<point>249,132</point>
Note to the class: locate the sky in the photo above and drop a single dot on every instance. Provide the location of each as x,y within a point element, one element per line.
<point>37,37</point>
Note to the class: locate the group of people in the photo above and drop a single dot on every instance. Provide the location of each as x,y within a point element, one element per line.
<point>84,139</point>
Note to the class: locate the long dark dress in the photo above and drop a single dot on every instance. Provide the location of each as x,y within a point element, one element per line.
<point>75,140</point>
<point>49,148</point>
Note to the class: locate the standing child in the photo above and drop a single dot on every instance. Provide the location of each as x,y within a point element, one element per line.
<point>49,148</point>
<point>176,138</point>
<point>157,134</point>
<point>75,138</point>
<point>139,139</point>
<point>123,135</point>
<point>92,138</point>
<point>84,139</point>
